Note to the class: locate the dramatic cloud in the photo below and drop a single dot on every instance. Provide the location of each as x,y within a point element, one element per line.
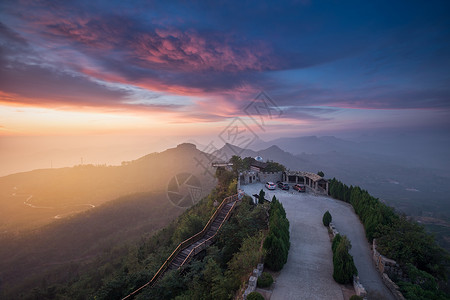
<point>205,62</point>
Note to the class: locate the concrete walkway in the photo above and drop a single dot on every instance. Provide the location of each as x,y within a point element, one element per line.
<point>308,272</point>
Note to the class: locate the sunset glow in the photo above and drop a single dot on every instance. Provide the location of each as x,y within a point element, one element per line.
<point>89,68</point>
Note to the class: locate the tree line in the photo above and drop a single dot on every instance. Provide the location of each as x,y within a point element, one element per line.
<point>401,239</point>
<point>277,243</point>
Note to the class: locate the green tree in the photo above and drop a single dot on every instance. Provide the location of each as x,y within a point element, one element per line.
<point>277,242</point>
<point>262,194</point>
<point>189,225</point>
<point>326,219</point>
<point>343,265</point>
<point>265,280</point>
<point>337,239</point>
<point>255,296</point>
<point>276,255</point>
<point>274,167</point>
<point>238,164</point>
<point>246,162</point>
<point>320,173</point>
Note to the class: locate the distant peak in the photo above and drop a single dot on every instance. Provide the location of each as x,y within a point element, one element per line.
<point>187,146</point>
<point>274,147</point>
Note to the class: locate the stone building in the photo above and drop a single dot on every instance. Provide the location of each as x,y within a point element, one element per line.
<point>313,181</point>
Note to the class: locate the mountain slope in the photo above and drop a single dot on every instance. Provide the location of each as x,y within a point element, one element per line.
<point>79,239</point>
<point>83,237</point>
<point>32,199</point>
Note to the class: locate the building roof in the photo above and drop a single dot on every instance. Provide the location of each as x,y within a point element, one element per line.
<point>312,176</point>
<point>258,164</point>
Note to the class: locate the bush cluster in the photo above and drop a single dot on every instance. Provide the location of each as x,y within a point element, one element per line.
<point>265,280</point>
<point>255,296</point>
<point>277,242</point>
<point>343,265</point>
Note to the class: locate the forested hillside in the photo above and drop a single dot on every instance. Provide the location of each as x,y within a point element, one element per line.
<point>425,265</point>
<point>121,266</point>
<point>38,250</point>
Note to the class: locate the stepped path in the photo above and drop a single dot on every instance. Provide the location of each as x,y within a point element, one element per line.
<point>195,244</point>
<point>184,255</point>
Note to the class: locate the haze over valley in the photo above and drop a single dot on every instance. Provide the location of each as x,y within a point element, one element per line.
<point>119,120</point>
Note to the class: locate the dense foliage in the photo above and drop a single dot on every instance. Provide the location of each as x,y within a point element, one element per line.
<point>265,280</point>
<point>398,238</point>
<point>326,219</point>
<point>343,265</point>
<point>123,267</point>
<point>226,265</point>
<point>277,242</point>
<point>243,164</point>
<point>261,196</point>
<point>274,167</point>
<point>255,296</point>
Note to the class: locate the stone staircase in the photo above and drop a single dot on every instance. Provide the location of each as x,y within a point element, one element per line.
<point>193,245</point>
<point>182,257</point>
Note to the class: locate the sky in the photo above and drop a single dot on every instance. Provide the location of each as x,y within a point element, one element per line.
<point>188,69</point>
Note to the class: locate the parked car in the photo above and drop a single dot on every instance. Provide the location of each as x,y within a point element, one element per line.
<point>300,188</point>
<point>270,185</point>
<point>283,185</point>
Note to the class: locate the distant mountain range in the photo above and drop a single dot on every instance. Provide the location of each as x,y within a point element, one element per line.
<point>414,150</point>
<point>421,192</point>
<point>307,144</point>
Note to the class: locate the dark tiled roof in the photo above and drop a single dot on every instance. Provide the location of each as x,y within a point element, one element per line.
<point>259,164</point>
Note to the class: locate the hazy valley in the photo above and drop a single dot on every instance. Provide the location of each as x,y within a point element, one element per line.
<point>399,178</point>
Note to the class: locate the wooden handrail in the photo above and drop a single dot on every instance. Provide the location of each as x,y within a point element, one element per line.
<point>194,250</point>
<point>183,245</point>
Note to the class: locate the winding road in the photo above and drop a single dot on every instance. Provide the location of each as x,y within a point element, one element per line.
<point>27,202</point>
<point>309,269</point>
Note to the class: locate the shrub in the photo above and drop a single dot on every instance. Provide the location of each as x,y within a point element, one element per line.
<point>326,218</point>
<point>276,253</point>
<point>343,265</point>
<point>265,280</point>
<point>255,296</point>
<point>277,242</point>
<point>356,297</point>
<point>262,194</point>
<point>337,239</point>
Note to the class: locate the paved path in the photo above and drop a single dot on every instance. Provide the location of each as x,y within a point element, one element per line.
<point>308,272</point>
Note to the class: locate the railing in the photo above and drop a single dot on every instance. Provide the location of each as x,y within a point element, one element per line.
<point>184,244</point>
<point>197,249</point>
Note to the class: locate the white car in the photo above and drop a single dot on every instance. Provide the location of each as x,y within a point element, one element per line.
<point>270,185</point>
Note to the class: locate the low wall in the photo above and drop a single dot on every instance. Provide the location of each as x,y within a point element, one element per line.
<point>393,287</point>
<point>387,266</point>
<point>270,176</point>
<point>253,280</point>
<point>359,288</point>
<point>333,229</point>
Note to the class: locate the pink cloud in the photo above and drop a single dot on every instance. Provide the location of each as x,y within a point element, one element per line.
<point>189,51</point>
